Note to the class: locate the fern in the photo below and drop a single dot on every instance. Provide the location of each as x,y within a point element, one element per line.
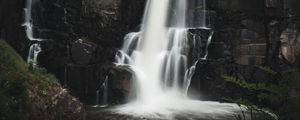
<point>267,69</point>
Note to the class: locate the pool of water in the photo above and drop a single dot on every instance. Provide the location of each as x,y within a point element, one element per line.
<point>113,113</point>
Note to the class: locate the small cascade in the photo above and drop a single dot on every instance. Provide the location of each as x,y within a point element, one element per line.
<point>207,45</point>
<point>35,48</point>
<point>174,58</point>
<point>102,92</point>
<point>125,55</point>
<point>105,91</point>
<point>188,78</point>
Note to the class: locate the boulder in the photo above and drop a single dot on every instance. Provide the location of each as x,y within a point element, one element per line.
<point>120,85</point>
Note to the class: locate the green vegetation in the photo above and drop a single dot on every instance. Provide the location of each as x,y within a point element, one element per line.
<point>13,95</point>
<point>27,93</point>
<point>277,95</point>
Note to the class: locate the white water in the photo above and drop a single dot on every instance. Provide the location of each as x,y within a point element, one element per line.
<point>207,45</point>
<point>35,48</point>
<point>158,56</point>
<point>28,22</point>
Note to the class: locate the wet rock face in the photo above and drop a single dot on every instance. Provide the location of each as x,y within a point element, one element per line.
<point>247,34</point>
<point>252,34</point>
<point>11,20</point>
<point>102,23</point>
<point>209,81</point>
<point>106,22</point>
<point>111,85</point>
<point>81,52</point>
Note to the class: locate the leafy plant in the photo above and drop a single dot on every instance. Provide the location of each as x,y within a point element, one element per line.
<point>276,94</point>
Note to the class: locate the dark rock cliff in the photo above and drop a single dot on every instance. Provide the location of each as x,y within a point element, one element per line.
<point>11,20</point>
<point>250,34</point>
<point>100,25</point>
<point>84,37</point>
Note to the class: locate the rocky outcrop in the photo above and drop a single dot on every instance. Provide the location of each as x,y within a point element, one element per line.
<point>120,81</point>
<point>32,94</point>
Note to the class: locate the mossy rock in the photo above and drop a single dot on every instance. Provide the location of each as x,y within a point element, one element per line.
<point>32,93</point>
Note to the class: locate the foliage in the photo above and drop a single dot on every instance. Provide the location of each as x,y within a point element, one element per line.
<point>13,84</point>
<point>276,94</point>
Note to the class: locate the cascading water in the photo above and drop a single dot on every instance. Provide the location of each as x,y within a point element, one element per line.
<point>158,56</point>
<point>102,92</point>
<point>35,48</point>
<point>207,45</point>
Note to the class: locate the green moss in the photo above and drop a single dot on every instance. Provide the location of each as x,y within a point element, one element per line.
<point>13,94</point>
<point>10,61</point>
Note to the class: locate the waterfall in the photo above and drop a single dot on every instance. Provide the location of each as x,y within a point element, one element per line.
<point>131,41</point>
<point>158,56</point>
<point>158,53</point>
<point>174,62</point>
<point>35,48</point>
<point>147,63</point>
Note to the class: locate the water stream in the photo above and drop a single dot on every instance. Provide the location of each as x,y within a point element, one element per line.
<point>35,48</point>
